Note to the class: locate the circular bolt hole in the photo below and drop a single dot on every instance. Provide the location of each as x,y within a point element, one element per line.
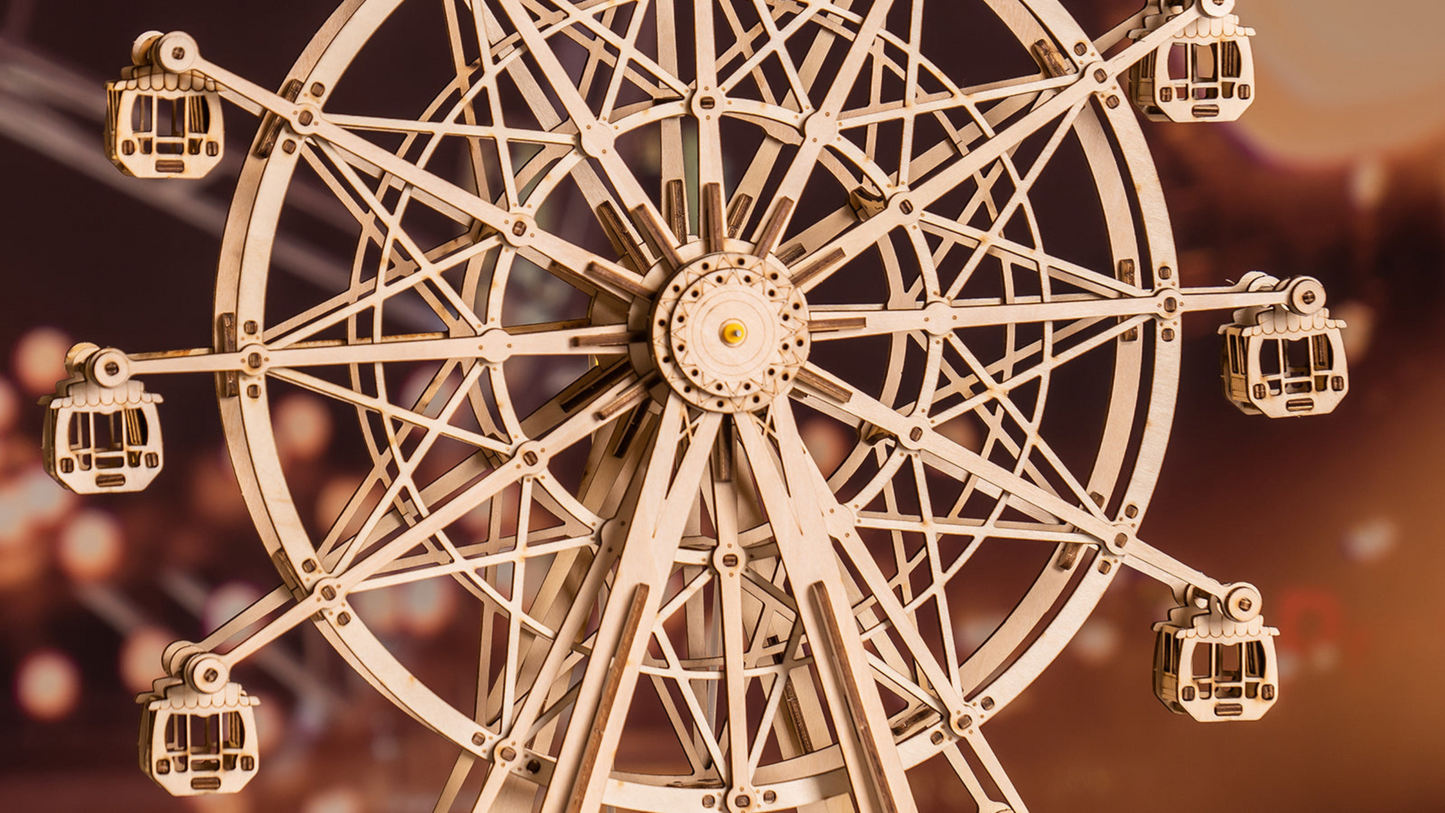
<point>1308,297</point>
<point>708,801</point>
<point>111,368</point>
<point>937,738</point>
<point>343,619</point>
<point>328,592</point>
<point>178,53</point>
<point>1246,605</point>
<point>478,739</point>
<point>212,674</point>
<point>533,766</point>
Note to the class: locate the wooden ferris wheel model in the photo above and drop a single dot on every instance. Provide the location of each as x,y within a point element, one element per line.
<point>656,534</point>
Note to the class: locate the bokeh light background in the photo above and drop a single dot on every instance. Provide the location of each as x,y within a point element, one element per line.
<point>1338,171</point>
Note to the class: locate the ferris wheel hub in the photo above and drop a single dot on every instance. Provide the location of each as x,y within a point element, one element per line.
<point>730,332</point>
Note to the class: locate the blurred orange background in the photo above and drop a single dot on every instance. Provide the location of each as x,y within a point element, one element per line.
<point>1338,171</point>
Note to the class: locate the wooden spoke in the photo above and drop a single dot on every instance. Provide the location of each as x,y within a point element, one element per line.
<point>822,123</point>
<point>831,324</point>
<point>468,498</point>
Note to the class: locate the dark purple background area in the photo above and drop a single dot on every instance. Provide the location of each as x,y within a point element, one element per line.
<point>1281,504</point>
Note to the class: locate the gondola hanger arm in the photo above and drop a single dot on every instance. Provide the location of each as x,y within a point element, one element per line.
<point>1303,295</point>
<point>917,434</point>
<point>177,52</point>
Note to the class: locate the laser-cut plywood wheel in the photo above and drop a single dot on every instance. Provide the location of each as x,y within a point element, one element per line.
<point>772,213</point>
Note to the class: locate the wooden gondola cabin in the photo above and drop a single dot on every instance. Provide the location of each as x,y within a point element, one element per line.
<point>1278,363</point>
<point>193,743</point>
<point>1206,73</point>
<point>1215,669</point>
<point>164,125</point>
<point>99,439</point>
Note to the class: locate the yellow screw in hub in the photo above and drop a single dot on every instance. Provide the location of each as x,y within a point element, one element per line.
<point>734,332</point>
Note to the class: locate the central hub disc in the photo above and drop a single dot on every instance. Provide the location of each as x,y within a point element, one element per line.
<point>729,332</point>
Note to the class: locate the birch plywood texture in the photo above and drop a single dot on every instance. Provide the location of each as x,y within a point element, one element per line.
<point>750,215</point>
